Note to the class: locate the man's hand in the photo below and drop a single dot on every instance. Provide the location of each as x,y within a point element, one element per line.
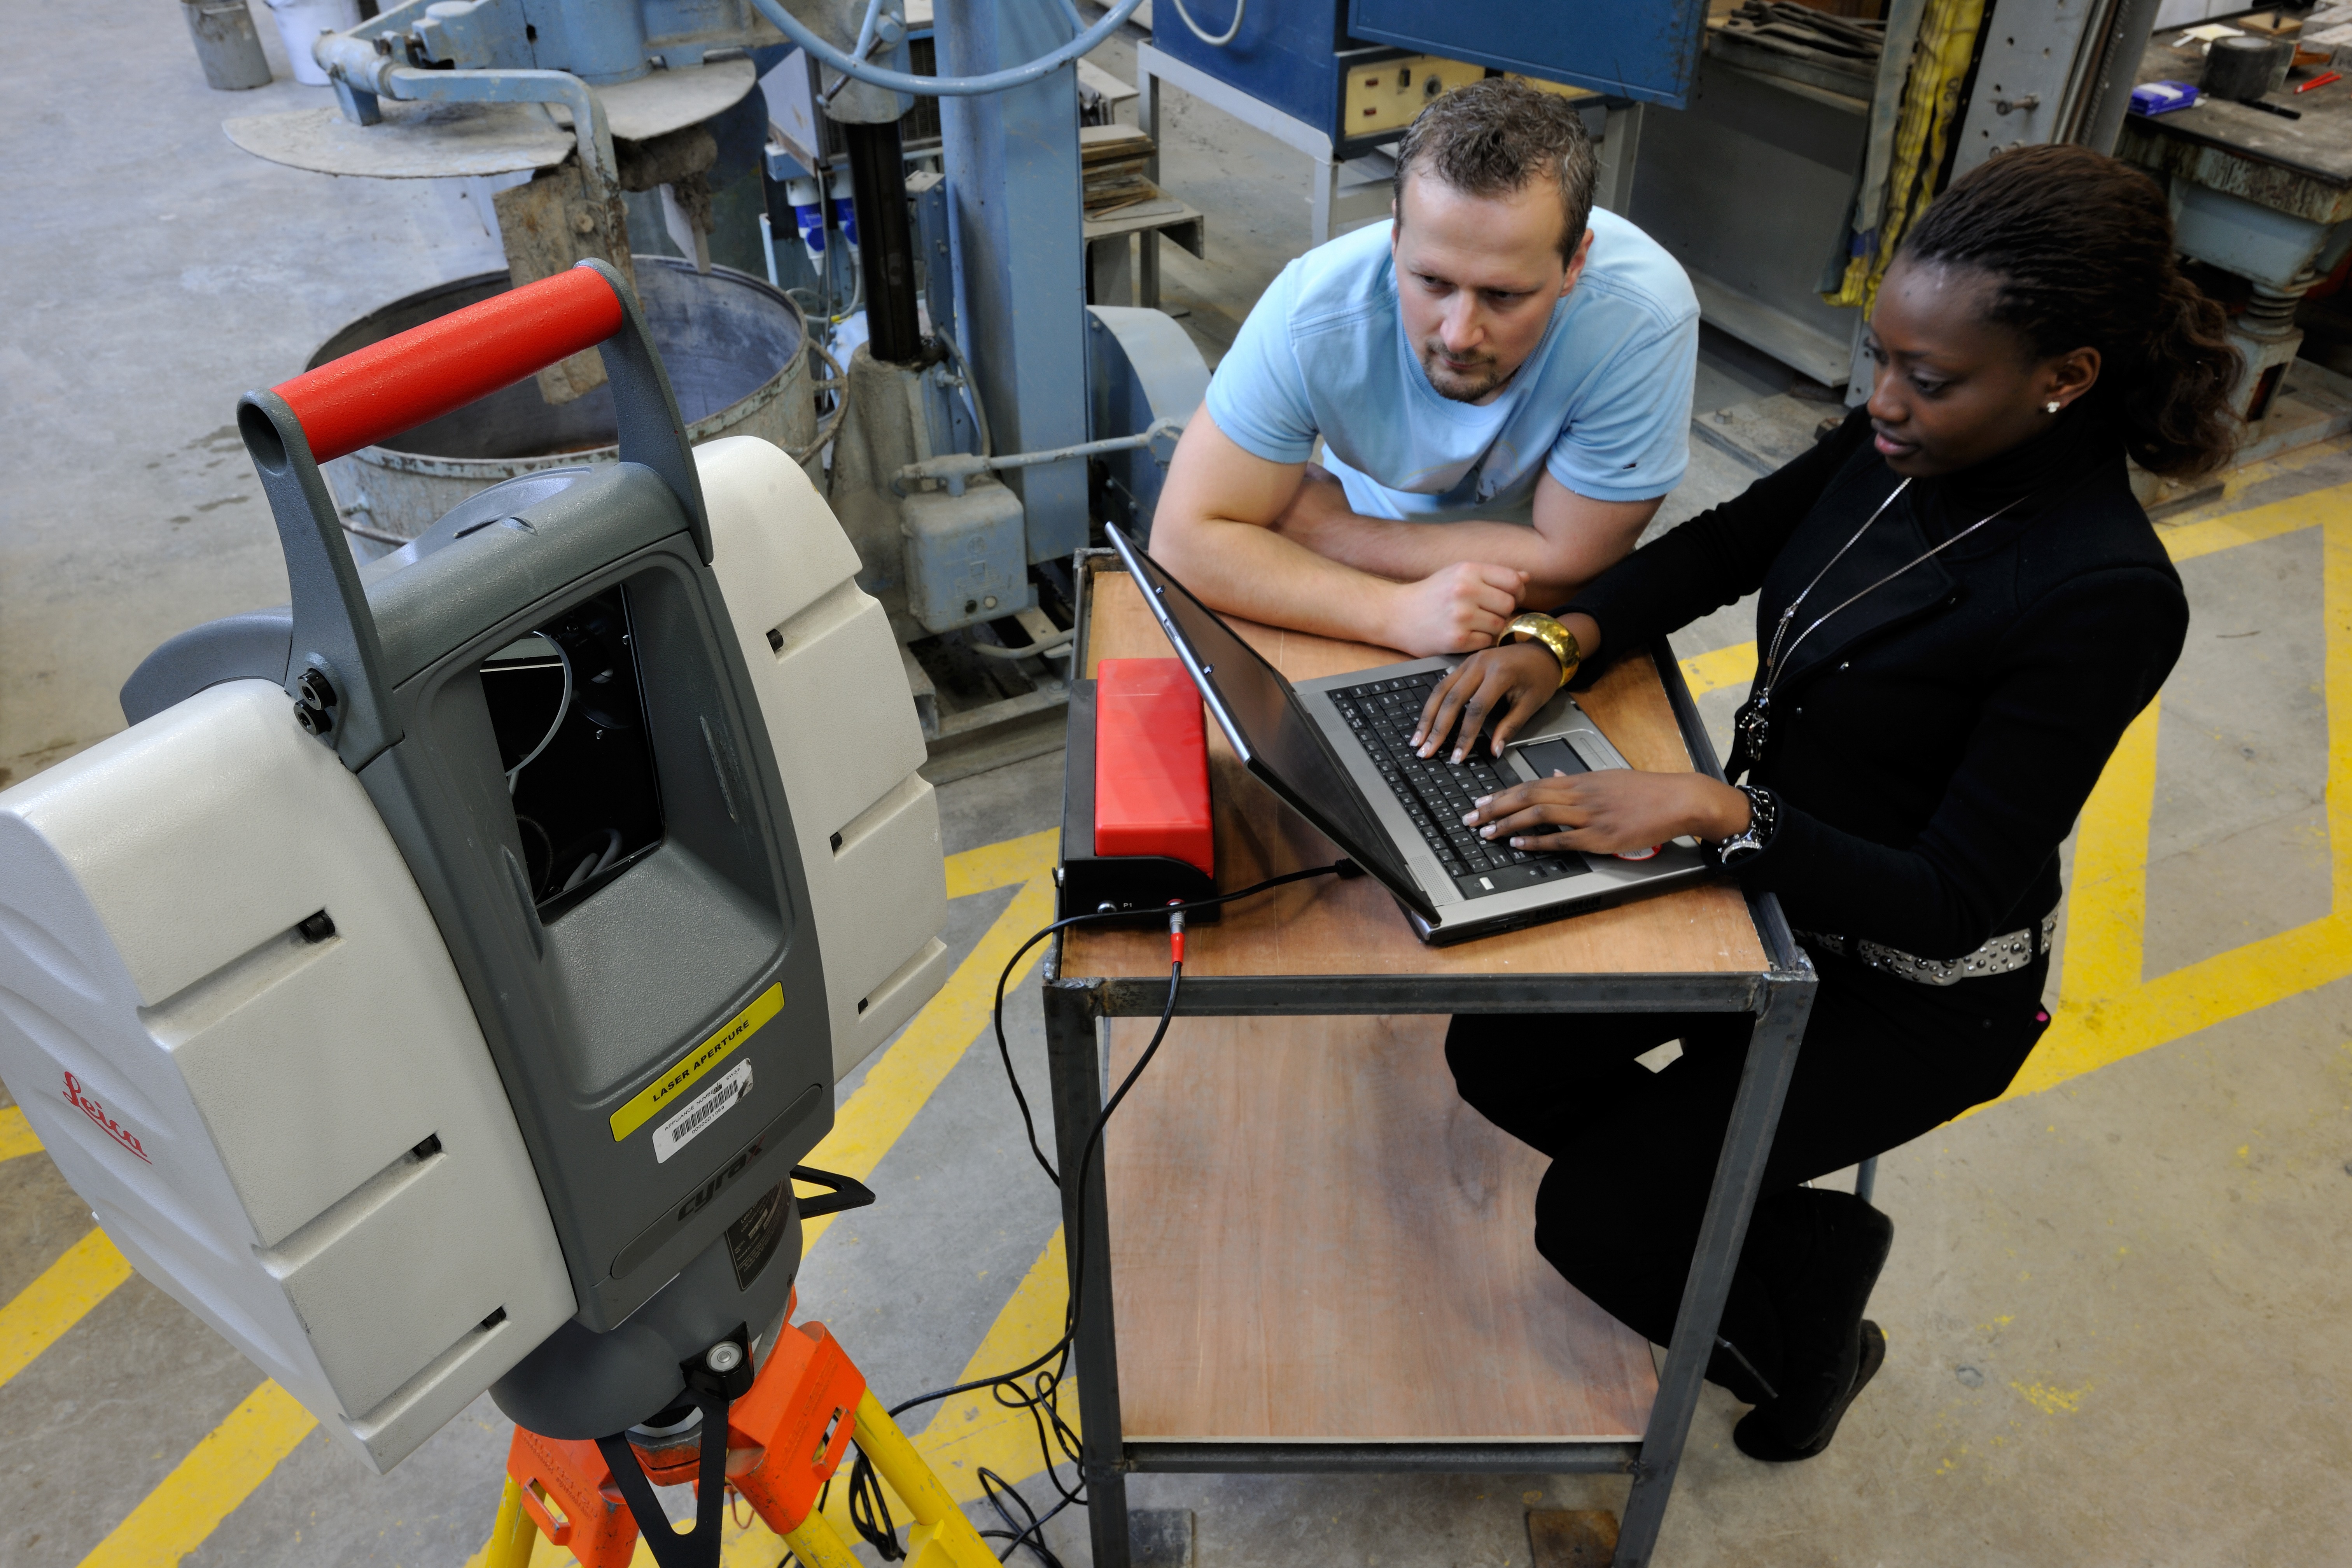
<point>1457,610</point>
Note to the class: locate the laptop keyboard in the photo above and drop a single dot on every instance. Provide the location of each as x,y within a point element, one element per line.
<point>1437,793</point>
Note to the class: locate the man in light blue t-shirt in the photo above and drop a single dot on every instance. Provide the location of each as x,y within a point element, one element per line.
<point>1501,379</point>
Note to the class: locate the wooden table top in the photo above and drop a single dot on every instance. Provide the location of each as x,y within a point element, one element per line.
<point>1344,928</point>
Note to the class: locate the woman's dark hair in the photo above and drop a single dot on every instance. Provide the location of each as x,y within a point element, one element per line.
<point>2080,248</point>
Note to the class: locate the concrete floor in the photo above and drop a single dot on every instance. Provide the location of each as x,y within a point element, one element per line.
<point>2117,1304</point>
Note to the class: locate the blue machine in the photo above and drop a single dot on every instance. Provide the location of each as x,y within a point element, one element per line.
<point>1296,56</point>
<point>1644,49</point>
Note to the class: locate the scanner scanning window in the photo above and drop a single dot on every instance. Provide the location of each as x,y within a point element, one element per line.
<point>568,709</point>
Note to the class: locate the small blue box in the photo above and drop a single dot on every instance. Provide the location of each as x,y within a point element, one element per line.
<point>2162,96</point>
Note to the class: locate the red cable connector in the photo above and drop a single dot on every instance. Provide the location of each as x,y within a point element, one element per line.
<point>1175,935</point>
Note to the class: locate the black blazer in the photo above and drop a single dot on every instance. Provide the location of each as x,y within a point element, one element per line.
<point>1932,744</point>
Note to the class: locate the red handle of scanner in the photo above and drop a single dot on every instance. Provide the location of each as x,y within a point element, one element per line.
<point>447,363</point>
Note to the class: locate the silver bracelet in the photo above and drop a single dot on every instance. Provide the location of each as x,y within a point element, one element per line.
<point>1763,817</point>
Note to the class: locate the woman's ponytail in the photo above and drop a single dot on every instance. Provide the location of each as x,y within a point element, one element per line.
<point>2080,247</point>
<point>2177,415</point>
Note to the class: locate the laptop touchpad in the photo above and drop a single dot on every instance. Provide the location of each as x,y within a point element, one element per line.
<point>1549,757</point>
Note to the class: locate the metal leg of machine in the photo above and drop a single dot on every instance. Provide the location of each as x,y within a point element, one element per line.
<point>1072,1022</point>
<point>1013,176</point>
<point>877,171</point>
<point>1740,1171</point>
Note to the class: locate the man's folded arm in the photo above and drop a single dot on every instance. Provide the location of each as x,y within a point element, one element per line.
<point>1216,529</point>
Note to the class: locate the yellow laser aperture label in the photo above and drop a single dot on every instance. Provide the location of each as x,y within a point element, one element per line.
<point>701,1060</point>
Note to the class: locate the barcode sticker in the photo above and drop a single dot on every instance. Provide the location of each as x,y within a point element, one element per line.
<point>702,1110</point>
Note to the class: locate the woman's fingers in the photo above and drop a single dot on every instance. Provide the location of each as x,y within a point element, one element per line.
<point>1444,703</point>
<point>1524,699</point>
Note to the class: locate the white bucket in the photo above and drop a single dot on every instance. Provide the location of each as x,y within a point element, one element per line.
<point>300,23</point>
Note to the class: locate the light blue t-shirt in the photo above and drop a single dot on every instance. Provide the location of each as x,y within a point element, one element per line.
<point>1605,402</point>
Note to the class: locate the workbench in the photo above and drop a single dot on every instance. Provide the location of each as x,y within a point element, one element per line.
<point>2268,198</point>
<point>1301,1252</point>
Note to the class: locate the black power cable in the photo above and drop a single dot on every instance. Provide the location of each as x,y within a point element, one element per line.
<point>873,1521</point>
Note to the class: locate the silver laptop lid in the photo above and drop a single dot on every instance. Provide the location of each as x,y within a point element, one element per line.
<point>1267,727</point>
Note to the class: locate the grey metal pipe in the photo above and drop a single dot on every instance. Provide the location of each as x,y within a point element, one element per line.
<point>2103,119</point>
<point>954,468</point>
<point>800,33</point>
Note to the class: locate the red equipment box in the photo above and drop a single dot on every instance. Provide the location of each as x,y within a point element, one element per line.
<point>1151,763</point>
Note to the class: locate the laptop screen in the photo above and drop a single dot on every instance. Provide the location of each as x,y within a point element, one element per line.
<point>1261,716</point>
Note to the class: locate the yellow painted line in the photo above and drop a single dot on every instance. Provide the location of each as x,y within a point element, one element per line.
<point>973,1430</point>
<point>2109,911</point>
<point>17,1133</point>
<point>1736,665</point>
<point>1733,665</point>
<point>2240,479</point>
<point>1004,863</point>
<point>2106,1011</point>
<point>207,1485</point>
<point>68,1288</point>
<point>904,1077</point>
<point>2256,523</point>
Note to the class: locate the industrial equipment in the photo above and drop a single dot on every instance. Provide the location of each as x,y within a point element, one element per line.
<point>605,114</point>
<point>462,1021</point>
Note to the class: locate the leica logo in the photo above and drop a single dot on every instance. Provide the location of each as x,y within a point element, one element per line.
<point>79,1098</point>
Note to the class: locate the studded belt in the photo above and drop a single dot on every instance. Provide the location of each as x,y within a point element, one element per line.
<point>2003,954</point>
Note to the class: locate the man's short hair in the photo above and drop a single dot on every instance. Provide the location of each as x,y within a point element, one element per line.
<point>1492,137</point>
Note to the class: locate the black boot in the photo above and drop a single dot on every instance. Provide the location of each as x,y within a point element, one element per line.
<point>1819,1253</point>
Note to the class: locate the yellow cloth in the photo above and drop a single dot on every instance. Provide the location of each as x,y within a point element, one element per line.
<point>1931,104</point>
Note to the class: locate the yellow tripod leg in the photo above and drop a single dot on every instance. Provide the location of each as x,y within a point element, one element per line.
<point>942,1537</point>
<point>514,1534</point>
<point>816,1544</point>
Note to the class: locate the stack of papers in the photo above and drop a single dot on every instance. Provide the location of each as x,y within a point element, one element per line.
<point>1112,159</point>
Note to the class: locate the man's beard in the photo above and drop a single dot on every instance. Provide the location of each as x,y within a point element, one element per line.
<point>1486,378</point>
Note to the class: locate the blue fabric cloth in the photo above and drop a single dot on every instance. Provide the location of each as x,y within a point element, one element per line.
<point>1603,403</point>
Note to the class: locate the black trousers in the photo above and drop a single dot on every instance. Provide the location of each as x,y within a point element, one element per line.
<point>1634,1152</point>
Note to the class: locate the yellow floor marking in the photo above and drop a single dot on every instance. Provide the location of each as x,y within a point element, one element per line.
<point>1733,665</point>
<point>2109,911</point>
<point>904,1077</point>
<point>15,1133</point>
<point>206,1487</point>
<point>2189,540</point>
<point>1004,863</point>
<point>2246,477</point>
<point>68,1288</point>
<point>2106,1012</point>
<point>1736,665</point>
<point>973,1430</point>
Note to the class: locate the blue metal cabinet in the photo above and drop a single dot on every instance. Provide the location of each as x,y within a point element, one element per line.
<point>1644,49</point>
<point>1288,54</point>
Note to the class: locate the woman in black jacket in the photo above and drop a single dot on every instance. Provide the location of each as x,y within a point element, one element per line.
<point>1961,609</point>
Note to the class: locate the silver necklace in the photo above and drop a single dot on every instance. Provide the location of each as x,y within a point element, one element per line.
<point>1753,725</point>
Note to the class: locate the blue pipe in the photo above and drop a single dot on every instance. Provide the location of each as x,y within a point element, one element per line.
<point>1006,80</point>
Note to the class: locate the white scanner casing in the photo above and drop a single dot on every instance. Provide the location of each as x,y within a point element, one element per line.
<point>301,1135</point>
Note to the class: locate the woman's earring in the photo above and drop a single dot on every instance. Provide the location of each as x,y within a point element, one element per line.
<point>2051,406</point>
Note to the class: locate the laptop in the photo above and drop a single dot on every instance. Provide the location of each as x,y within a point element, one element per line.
<point>1336,751</point>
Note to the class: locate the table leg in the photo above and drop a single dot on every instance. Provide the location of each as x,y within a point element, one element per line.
<point>1071,1019</point>
<point>1738,1172</point>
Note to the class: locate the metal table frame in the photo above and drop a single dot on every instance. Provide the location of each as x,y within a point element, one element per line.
<point>1781,997</point>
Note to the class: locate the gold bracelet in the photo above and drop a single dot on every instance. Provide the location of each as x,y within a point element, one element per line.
<point>1553,636</point>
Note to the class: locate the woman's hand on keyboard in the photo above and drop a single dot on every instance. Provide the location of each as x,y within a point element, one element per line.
<point>1609,811</point>
<point>1507,684</point>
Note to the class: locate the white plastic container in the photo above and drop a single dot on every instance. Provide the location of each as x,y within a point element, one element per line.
<point>300,23</point>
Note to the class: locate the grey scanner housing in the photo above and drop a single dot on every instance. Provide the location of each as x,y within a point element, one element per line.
<point>591,1002</point>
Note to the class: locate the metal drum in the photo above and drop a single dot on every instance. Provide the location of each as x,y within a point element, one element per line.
<point>736,351</point>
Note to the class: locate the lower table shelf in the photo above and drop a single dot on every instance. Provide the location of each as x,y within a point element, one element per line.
<point>1314,1242</point>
